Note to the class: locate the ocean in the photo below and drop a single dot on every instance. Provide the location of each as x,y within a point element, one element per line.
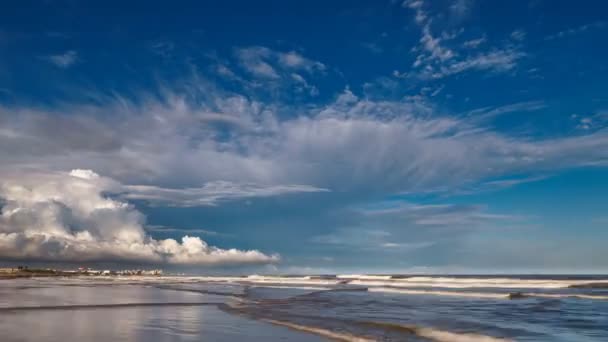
<point>305,308</point>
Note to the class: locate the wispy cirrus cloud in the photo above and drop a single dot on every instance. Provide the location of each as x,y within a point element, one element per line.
<point>577,30</point>
<point>518,107</point>
<point>274,69</point>
<point>210,194</point>
<point>439,56</point>
<point>64,60</point>
<point>264,62</point>
<point>475,43</point>
<point>394,146</point>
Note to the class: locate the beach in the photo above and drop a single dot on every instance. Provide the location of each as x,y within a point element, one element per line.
<point>305,308</point>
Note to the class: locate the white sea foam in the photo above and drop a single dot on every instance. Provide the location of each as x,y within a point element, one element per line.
<point>440,293</point>
<point>446,336</point>
<point>428,333</point>
<point>483,294</point>
<point>289,280</point>
<point>472,283</point>
<point>363,276</point>
<point>312,288</point>
<point>321,332</point>
<point>555,295</point>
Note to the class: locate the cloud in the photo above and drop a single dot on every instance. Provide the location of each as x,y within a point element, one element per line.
<point>270,64</point>
<point>518,35</point>
<point>210,194</point>
<point>595,121</point>
<point>451,216</point>
<point>576,30</point>
<point>166,229</point>
<point>437,58</point>
<point>64,60</point>
<point>67,217</point>
<point>253,59</point>
<point>493,112</point>
<point>234,146</point>
<point>474,43</point>
<point>296,61</point>
<point>368,239</point>
<point>498,60</point>
<point>400,226</point>
<point>461,8</point>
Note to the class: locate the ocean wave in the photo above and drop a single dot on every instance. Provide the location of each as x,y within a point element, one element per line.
<point>363,276</point>
<point>424,332</point>
<point>566,295</point>
<point>296,287</point>
<point>338,336</point>
<point>515,295</point>
<point>471,283</point>
<point>440,293</point>
<point>435,334</point>
<point>446,336</point>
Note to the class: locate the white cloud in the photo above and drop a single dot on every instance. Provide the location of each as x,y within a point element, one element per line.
<point>576,30</point>
<point>438,59</point>
<point>210,194</point>
<point>64,60</point>
<point>461,8</point>
<point>296,61</point>
<point>68,217</point>
<point>595,121</point>
<point>442,215</point>
<point>518,35</point>
<point>350,144</point>
<point>492,112</point>
<point>498,60</point>
<point>474,43</point>
<point>253,60</point>
<point>270,64</point>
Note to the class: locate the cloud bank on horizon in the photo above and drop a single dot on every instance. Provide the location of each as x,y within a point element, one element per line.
<point>67,217</point>
<point>430,137</point>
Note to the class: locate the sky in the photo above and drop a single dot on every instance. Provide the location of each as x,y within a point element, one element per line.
<point>417,136</point>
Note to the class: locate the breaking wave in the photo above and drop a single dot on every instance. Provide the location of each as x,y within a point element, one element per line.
<point>440,293</point>
<point>427,333</point>
<point>471,283</point>
<point>485,294</point>
<point>320,331</point>
<point>363,276</point>
<point>411,282</point>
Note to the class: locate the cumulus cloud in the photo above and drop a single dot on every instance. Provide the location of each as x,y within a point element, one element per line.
<point>69,217</point>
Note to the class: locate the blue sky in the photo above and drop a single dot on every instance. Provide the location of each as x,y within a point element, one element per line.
<point>306,137</point>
